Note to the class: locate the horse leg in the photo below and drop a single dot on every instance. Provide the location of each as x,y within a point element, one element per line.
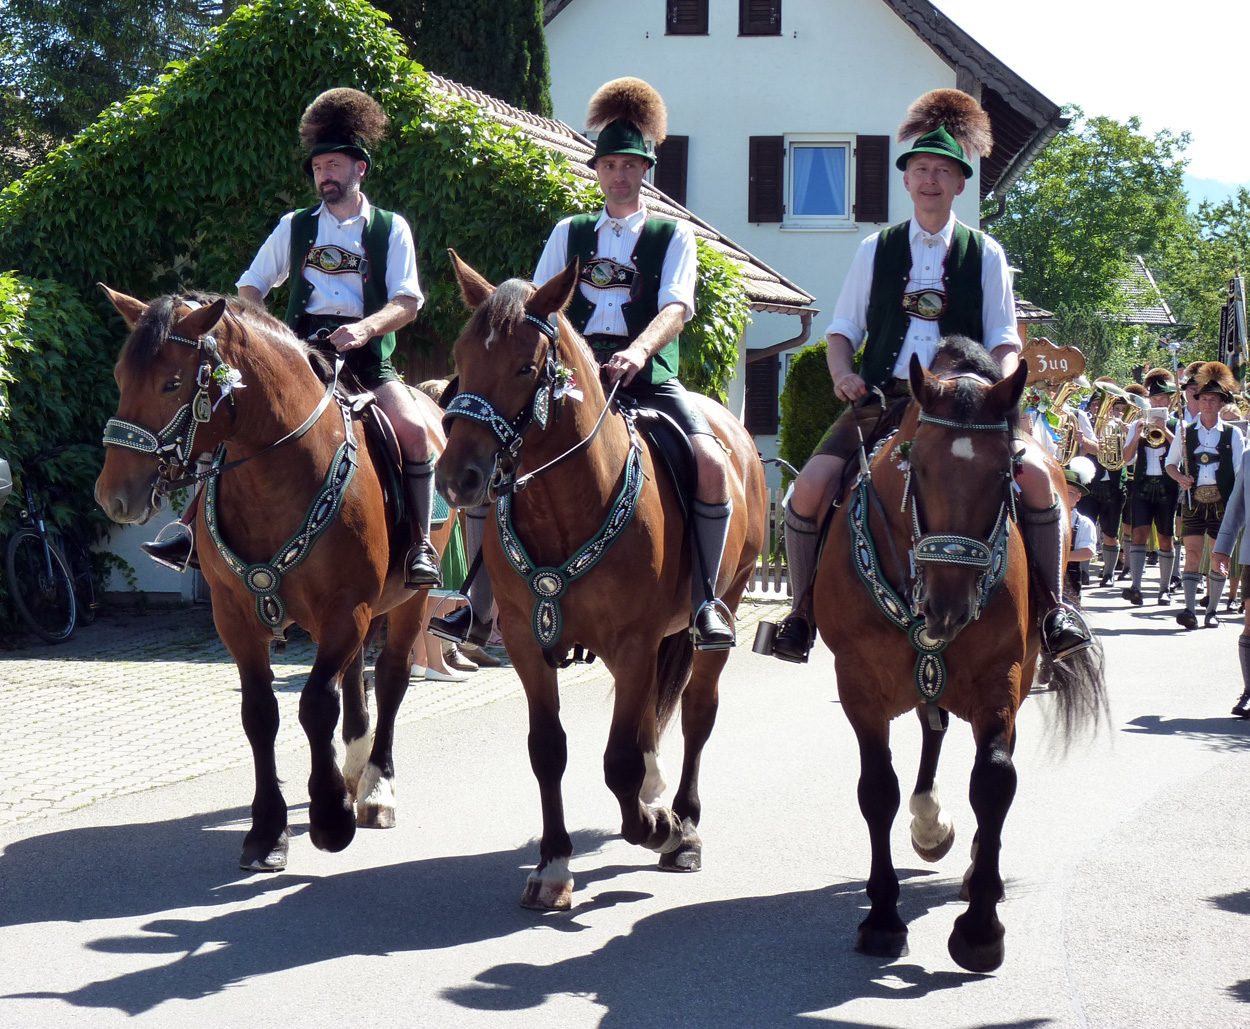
<point>357,739</point>
<point>699,704</point>
<point>266,843</point>
<point>655,827</point>
<point>932,832</point>
<point>976,941</point>
<point>375,799</point>
<point>332,819</point>
<point>550,885</point>
<point>882,933</point>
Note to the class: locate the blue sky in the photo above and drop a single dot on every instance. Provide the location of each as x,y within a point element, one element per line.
<point>1180,66</point>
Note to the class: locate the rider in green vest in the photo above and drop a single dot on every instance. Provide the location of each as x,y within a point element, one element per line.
<point>635,292</point>
<point>355,280</point>
<point>908,287</point>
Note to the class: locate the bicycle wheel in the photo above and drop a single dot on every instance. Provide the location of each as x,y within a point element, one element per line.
<point>79,561</point>
<point>46,603</point>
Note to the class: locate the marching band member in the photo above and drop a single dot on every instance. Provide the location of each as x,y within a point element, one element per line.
<point>1210,452</point>
<point>1105,503</point>
<point>1154,493</point>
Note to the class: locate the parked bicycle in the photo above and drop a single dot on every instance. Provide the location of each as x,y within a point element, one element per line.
<point>48,569</point>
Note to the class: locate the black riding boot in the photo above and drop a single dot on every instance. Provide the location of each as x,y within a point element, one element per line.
<point>173,547</point>
<point>1242,708</point>
<point>1064,631</point>
<point>472,623</point>
<point>795,634</point>
<point>421,567</point>
<point>711,621</point>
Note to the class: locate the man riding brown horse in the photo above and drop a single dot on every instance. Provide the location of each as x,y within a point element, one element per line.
<point>909,286</point>
<point>357,284</point>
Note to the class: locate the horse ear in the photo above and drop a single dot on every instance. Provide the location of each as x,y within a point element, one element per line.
<point>554,295</point>
<point>473,287</point>
<point>200,322</point>
<point>1005,394</point>
<point>921,387</point>
<point>128,307</point>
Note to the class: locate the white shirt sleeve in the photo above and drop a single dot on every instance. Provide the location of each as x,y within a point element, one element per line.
<point>1083,535</point>
<point>1174,451</point>
<point>998,302</point>
<point>555,254</point>
<point>272,263</point>
<point>401,263</point>
<point>850,315</point>
<point>679,275</point>
<point>1239,446</point>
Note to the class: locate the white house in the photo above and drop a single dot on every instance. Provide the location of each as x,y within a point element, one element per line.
<point>782,115</point>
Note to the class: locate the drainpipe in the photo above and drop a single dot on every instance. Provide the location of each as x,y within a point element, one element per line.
<point>805,318</point>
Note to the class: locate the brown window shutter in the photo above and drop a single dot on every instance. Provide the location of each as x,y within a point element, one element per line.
<point>872,179</point>
<point>759,17</point>
<point>761,409</point>
<point>670,167</point>
<point>766,188</point>
<point>686,18</point>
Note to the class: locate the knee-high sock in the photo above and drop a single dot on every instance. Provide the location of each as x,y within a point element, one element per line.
<point>711,529</point>
<point>1110,557</point>
<point>1043,539</point>
<point>1166,563</point>
<point>419,482</point>
<point>800,554</point>
<point>1190,580</point>
<point>1137,562</point>
<point>481,594</point>
<point>1243,653</point>
<point>1215,590</point>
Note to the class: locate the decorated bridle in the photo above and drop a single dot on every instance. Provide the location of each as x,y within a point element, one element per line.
<point>174,445</point>
<point>554,383</point>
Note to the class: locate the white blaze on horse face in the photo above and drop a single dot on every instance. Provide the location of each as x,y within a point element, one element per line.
<point>962,447</point>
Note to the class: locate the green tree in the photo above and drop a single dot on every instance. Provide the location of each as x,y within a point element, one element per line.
<point>496,46</point>
<point>62,63</point>
<point>1099,194</point>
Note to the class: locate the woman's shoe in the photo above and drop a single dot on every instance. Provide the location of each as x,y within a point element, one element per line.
<point>416,672</point>
<point>451,675</point>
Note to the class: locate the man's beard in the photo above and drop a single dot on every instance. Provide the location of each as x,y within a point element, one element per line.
<point>332,192</point>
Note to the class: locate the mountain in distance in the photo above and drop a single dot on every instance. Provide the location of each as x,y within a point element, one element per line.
<point>1210,189</point>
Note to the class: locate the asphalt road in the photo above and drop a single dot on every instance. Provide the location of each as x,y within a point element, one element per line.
<point>1126,860</point>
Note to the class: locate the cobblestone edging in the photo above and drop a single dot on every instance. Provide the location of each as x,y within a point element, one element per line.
<point>134,702</point>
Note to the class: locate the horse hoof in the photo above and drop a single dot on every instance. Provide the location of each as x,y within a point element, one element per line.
<point>332,826</point>
<point>981,957</point>
<point>935,853</point>
<point>375,808</point>
<point>265,859</point>
<point>882,943</point>
<point>688,855</point>
<point>550,889</point>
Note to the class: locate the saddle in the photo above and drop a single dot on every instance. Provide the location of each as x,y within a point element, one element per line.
<point>669,445</point>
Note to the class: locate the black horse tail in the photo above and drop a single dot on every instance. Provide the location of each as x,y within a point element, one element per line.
<point>1080,687</point>
<point>673,665</point>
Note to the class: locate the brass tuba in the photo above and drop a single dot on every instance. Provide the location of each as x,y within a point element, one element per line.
<point>1068,442</point>
<point>1112,432</point>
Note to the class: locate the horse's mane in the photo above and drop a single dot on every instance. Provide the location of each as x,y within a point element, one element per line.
<point>504,311</point>
<point>959,355</point>
<point>152,329</point>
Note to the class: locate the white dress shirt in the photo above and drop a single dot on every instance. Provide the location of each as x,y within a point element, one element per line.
<point>928,255</point>
<point>1083,531</point>
<point>1154,455</point>
<point>618,238</point>
<point>1208,443</point>
<point>341,296</point>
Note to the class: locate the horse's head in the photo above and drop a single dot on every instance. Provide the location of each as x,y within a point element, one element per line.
<point>961,478</point>
<point>511,376</point>
<point>164,416</point>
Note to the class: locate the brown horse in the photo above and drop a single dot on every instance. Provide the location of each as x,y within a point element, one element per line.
<point>312,537</point>
<point>957,636</point>
<point>516,358</point>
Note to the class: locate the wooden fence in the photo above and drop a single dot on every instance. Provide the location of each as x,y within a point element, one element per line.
<point>771,574</point>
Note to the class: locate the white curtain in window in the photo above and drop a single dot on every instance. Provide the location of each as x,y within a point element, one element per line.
<point>819,181</point>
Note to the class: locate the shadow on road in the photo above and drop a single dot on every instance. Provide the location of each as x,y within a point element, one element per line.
<point>761,961</point>
<point>1225,733</point>
<point>748,962</point>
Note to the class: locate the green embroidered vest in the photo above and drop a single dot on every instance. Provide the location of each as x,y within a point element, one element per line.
<point>888,322</point>
<point>376,241</point>
<point>1225,473</point>
<point>648,261</point>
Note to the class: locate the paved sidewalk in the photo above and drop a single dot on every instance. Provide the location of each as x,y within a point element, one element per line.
<point>138,701</point>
